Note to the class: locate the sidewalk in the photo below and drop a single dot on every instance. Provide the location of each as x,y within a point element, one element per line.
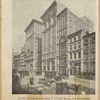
<point>79,81</point>
<point>52,89</point>
<point>45,89</point>
<point>85,80</point>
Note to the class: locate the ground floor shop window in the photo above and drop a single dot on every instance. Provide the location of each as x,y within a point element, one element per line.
<point>62,70</point>
<point>53,65</point>
<point>48,65</point>
<point>62,60</point>
<point>75,68</point>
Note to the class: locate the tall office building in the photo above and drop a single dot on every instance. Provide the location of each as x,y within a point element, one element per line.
<point>49,50</point>
<point>22,57</point>
<point>33,47</point>
<point>62,28</point>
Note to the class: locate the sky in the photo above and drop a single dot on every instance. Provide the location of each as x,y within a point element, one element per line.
<point>23,11</point>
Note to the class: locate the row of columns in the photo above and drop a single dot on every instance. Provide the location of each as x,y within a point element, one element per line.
<point>51,65</point>
<point>57,68</point>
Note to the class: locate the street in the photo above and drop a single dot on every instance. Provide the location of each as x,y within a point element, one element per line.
<point>87,85</point>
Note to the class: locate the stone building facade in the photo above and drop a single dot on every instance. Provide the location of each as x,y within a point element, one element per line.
<point>61,26</point>
<point>33,47</point>
<point>22,57</point>
<point>89,53</point>
<point>62,44</point>
<point>75,63</point>
<point>15,60</point>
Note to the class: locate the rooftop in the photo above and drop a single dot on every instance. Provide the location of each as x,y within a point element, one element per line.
<point>32,22</point>
<point>60,8</point>
<point>89,34</point>
<point>75,33</point>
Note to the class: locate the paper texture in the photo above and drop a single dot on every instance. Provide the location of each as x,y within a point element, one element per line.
<point>50,50</point>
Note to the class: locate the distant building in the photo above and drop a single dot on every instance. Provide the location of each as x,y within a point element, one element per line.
<point>33,46</point>
<point>16,60</point>
<point>22,69</point>
<point>61,25</point>
<point>22,57</point>
<point>89,22</point>
<point>89,53</point>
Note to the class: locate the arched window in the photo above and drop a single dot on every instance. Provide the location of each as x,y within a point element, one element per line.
<point>62,43</point>
<point>62,46</point>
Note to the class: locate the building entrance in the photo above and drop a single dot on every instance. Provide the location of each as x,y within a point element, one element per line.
<point>62,70</point>
<point>75,69</point>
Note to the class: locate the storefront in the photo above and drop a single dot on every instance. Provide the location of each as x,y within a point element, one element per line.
<point>75,68</point>
<point>62,69</point>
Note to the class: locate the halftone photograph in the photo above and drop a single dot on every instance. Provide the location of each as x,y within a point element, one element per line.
<point>54,47</point>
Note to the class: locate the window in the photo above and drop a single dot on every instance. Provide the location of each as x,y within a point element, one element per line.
<point>48,65</point>
<point>75,55</point>
<point>79,54</point>
<point>65,18</point>
<point>86,56</point>
<point>53,65</point>
<point>70,40</point>
<point>60,23</point>
<point>62,20</point>
<point>85,67</point>
<point>62,53</point>
<point>64,30</point>
<point>92,46</point>
<point>92,55</point>
<point>62,46</point>
<point>49,23</point>
<point>70,64</point>
<point>71,56</point>
<point>59,32</point>
<point>86,40</point>
<point>48,40</point>
<point>79,44</point>
<point>92,38</point>
<point>70,47</point>
<point>74,46</point>
<point>28,50</point>
<point>92,68</point>
<point>86,47</point>
<point>62,60</point>
<point>44,68</point>
<point>79,37</point>
<point>75,38</point>
<point>53,38</point>
<point>31,52</point>
<point>31,68</point>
